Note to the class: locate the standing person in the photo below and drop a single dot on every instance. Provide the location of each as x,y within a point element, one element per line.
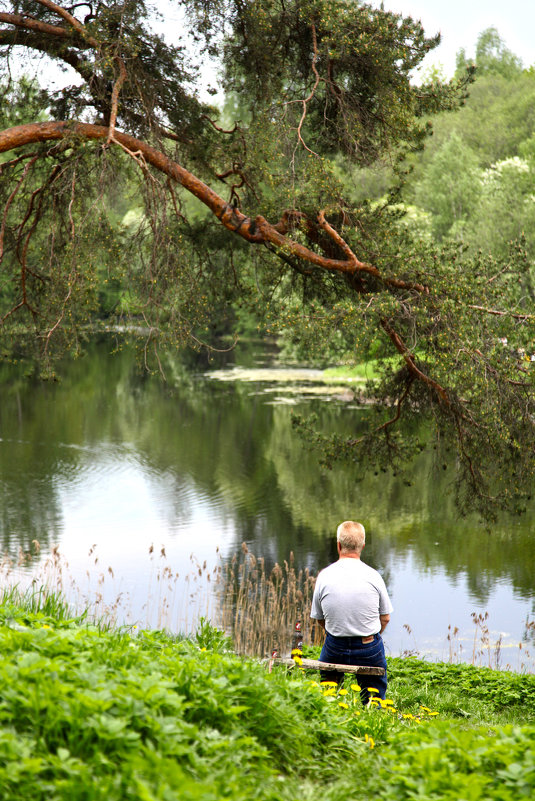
<point>351,603</point>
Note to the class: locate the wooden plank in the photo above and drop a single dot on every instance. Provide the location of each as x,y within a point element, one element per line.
<point>315,664</point>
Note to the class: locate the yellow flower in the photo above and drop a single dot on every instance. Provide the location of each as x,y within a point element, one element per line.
<point>329,684</point>
<point>355,688</point>
<point>425,708</point>
<point>369,740</point>
<point>432,714</point>
<point>344,706</point>
<point>298,660</point>
<point>330,691</point>
<point>372,689</point>
<point>343,692</point>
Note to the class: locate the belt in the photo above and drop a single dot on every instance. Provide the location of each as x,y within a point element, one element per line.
<point>355,639</point>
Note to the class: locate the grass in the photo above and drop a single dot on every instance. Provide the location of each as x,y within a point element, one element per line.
<point>360,372</point>
<point>258,607</point>
<point>95,712</point>
<point>365,371</point>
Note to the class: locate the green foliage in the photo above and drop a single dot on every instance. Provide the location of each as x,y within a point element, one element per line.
<point>20,103</point>
<point>209,638</point>
<point>492,56</point>
<point>462,690</point>
<point>450,187</point>
<point>446,763</point>
<point>95,714</point>
<point>321,90</point>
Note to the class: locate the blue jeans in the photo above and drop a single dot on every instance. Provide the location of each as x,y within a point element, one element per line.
<point>351,651</point>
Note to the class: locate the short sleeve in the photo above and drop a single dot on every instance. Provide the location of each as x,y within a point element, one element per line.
<point>316,611</point>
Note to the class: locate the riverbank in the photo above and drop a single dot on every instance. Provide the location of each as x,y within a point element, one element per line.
<point>95,712</point>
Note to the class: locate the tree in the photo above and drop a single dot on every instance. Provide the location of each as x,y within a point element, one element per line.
<point>492,56</point>
<point>505,211</point>
<point>450,186</point>
<point>325,84</point>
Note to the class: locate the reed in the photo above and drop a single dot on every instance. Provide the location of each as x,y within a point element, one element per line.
<point>265,610</point>
<point>262,609</point>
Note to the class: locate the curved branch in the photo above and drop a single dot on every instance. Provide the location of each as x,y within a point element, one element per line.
<point>72,21</point>
<point>385,426</point>
<point>257,231</point>
<point>415,371</point>
<point>30,24</point>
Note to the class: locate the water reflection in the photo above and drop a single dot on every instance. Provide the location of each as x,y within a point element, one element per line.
<point>117,459</point>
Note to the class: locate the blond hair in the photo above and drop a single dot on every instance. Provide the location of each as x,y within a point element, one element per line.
<point>351,536</point>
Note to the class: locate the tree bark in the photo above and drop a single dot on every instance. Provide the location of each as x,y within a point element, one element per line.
<point>257,231</point>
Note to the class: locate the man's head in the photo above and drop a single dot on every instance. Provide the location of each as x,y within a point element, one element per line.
<point>350,537</point>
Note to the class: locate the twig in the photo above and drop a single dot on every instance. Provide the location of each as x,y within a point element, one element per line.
<point>115,96</point>
<point>307,100</point>
<point>502,313</point>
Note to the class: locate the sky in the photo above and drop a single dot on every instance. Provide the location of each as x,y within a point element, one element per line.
<point>461,21</point>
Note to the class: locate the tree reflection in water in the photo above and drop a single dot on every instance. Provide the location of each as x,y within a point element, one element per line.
<point>114,457</point>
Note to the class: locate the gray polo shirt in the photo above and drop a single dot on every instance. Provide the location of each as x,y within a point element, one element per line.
<point>350,595</point>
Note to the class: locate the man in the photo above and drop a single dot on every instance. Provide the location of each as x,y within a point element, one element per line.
<point>351,603</point>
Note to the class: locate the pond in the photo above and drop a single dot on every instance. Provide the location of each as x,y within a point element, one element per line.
<point>130,490</point>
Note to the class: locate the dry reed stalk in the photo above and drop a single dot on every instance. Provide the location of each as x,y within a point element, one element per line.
<point>260,610</point>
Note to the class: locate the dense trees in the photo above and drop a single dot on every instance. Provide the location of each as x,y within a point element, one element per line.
<point>477,176</point>
<point>263,212</point>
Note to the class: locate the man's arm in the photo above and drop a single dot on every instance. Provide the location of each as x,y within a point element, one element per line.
<point>385,620</point>
<point>321,622</point>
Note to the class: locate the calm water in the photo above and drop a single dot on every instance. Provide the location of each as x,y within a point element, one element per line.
<point>142,486</point>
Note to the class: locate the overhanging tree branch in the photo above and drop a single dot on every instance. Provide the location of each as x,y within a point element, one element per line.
<point>256,231</point>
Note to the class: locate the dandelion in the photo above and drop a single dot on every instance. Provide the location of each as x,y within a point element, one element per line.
<point>369,740</point>
<point>425,708</point>
<point>343,705</point>
<point>329,684</point>
<point>355,688</point>
<point>343,692</point>
<point>372,689</point>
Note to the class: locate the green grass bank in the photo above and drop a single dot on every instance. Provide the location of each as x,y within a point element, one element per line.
<point>90,712</point>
